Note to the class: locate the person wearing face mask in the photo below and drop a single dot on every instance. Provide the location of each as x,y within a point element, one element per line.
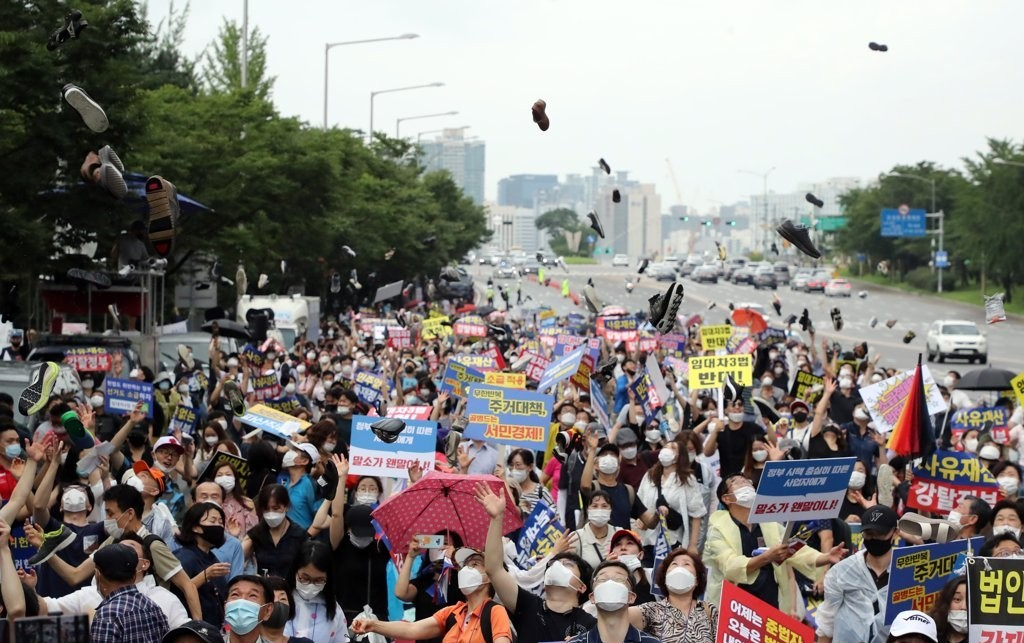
<point>77,534</point>
<point>460,622</point>
<point>522,471</point>
<point>202,530</point>
<point>670,486</point>
<point>272,629</point>
<point>304,503</point>
<point>318,617</point>
<point>566,579</point>
<point>367,491</point>
<point>276,540</point>
<point>865,443</point>
<point>613,592</point>
<point>105,423</point>
<point>417,580</point>
<point>1007,518</point>
<point>165,395</point>
<point>625,505</point>
<point>843,401</point>
<point>626,547</point>
<point>958,398</point>
<point>972,514</point>
<point>249,602</point>
<point>167,458</point>
<point>359,559</point>
<point>860,494</point>
<point>1008,475</point>
<point>968,442</point>
<point>990,454</point>
<point>950,612</point>
<point>855,585</point>
<point>756,458</point>
<point>625,373</point>
<point>679,617</point>
<point>732,437</point>
<point>212,435</point>
<point>755,557</point>
<point>124,614</point>
<point>151,483</point>
<point>593,540</point>
<point>632,467</point>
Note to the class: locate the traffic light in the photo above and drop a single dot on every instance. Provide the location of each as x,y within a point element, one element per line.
<point>684,218</point>
<point>706,223</point>
<point>730,223</point>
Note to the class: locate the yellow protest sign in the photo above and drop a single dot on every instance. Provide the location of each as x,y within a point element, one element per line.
<point>1017,384</point>
<point>435,327</point>
<point>714,337</point>
<point>710,371</point>
<point>506,380</point>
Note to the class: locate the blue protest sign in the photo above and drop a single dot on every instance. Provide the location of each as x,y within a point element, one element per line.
<point>917,575</point>
<point>370,456</point>
<point>562,368</point>
<point>599,403</point>
<point>661,552</point>
<point>282,425</point>
<point>508,416</point>
<point>801,490</point>
<point>123,394</point>
<point>565,343</point>
<point>185,419</point>
<point>539,534</point>
<point>21,549</point>
<point>369,386</point>
<point>647,396</point>
<point>457,378</point>
<point>903,222</point>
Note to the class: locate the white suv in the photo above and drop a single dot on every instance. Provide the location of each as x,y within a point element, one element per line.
<point>956,338</point>
<point>620,260</point>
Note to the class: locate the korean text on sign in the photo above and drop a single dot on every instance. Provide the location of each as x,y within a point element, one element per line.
<point>801,490</point>
<point>88,358</point>
<point>507,380</point>
<point>917,574</point>
<point>711,371</point>
<point>944,480</point>
<point>714,337</point>
<point>123,394</point>
<point>370,456</point>
<point>508,416</point>
<point>539,534</point>
<point>995,599</point>
<point>744,617</point>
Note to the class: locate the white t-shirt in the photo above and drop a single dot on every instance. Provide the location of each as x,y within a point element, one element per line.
<point>87,599</point>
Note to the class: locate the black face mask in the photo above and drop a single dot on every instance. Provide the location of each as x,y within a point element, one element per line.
<point>278,617</point>
<point>877,547</point>
<point>800,416</point>
<point>213,534</point>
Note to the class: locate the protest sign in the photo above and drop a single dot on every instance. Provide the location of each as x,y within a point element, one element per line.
<point>661,552</point>
<point>508,380</point>
<point>645,342</point>
<point>995,418</point>
<point>399,338</point>
<point>496,356</point>
<point>479,362</point>
<point>582,377</point>
<point>942,482</point>
<point>282,425</point>
<point>673,343</point>
<point>738,335</point>
<point>599,404</point>
<point>803,385</point>
<point>251,354</point>
<point>457,377</point>
<point>538,535</point>
<point>885,400</point>
<point>471,326</point>
<point>657,379</point>
<point>746,347</point>
<point>369,386</point>
<point>409,412</point>
<point>240,465</point>
<point>561,368</point>
<point>772,336</point>
<point>266,387</point>
<point>123,394</point>
<point>288,403</point>
<point>566,343</point>
<point>536,366</point>
<point>743,617</point>
<point>1017,384</point>
<point>434,327</point>
<point>184,419</point>
<point>508,416</point>
<point>21,549</point>
<point>715,337</point>
<point>88,358</point>
<point>384,293</point>
<point>917,574</point>
<point>801,490</point>
<point>621,329</point>
<point>710,371</point>
<point>995,600</point>
<point>370,456</point>
<point>646,396</point>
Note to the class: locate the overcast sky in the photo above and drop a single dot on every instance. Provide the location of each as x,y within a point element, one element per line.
<point>713,86</point>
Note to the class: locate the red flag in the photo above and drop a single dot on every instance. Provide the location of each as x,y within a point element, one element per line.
<point>913,435</point>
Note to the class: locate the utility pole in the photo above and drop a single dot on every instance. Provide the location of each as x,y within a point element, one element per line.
<point>245,43</point>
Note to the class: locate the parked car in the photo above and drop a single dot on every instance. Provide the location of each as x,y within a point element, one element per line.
<point>705,274</point>
<point>530,267</point>
<point>949,338</point>
<point>461,289</point>
<point>837,288</point>
<point>620,260</point>
<point>782,276</point>
<point>799,279</point>
<point>764,277</point>
<point>817,281</point>
<point>549,259</point>
<point>742,276</point>
<point>662,271</point>
<point>728,268</point>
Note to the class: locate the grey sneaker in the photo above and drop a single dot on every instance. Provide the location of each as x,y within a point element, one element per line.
<point>53,542</point>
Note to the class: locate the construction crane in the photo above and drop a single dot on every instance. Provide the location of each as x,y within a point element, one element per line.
<point>692,241</point>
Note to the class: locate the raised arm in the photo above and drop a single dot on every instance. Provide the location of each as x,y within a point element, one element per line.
<point>13,508</point>
<point>337,528</point>
<point>10,584</point>
<point>821,410</point>
<point>502,581</point>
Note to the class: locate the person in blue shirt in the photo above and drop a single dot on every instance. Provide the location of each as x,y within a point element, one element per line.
<point>297,463</point>
<point>622,382</point>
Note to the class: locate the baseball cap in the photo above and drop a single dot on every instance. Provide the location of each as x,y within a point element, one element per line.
<point>626,533</point>
<point>169,441</point>
<point>310,450</point>
<point>199,629</point>
<point>914,622</point>
<point>463,554</point>
<point>141,466</point>
<point>357,518</point>
<point>879,518</point>
<point>799,404</point>
<point>625,436</point>
<point>116,562</point>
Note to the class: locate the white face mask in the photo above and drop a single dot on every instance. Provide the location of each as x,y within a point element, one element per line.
<point>517,475</point>
<point>1009,485</point>
<point>999,530</point>
<point>274,518</point>
<point>611,596</point>
<point>88,384</point>
<point>96,401</point>
<point>629,453</point>
<point>957,620</point>
<point>346,370</point>
<point>568,418</point>
<point>667,457</point>
<point>680,580</point>
<point>631,561</point>
<point>135,483</point>
<point>860,414</point>
<point>745,496</point>
<point>365,497</point>
<point>948,381</point>
<point>470,579</point>
<point>735,418</point>
<point>361,542</point>
<point>73,501</point>
<point>760,455</point>
<point>113,530</point>
<point>324,360</point>
<point>845,383</point>
<point>300,369</point>
<point>424,392</point>
<point>638,418</point>
<point>309,591</point>
<point>989,452</point>
<point>653,435</point>
<point>767,382</point>
<point>435,554</point>
<point>608,464</point>
<point>857,480</point>
<point>227,483</point>
<point>223,423</point>
<point>558,575</point>
<point>289,388</point>
<point>955,517</point>
<point>599,517</point>
<point>329,447</point>
<point>211,440</point>
<point>310,355</point>
<point>289,459</point>
<point>971,444</point>
<point>232,363</point>
<point>183,389</point>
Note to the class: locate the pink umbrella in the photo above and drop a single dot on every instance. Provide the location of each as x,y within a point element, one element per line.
<point>439,502</point>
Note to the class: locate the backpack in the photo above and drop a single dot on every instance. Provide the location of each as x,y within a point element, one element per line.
<point>485,623</point>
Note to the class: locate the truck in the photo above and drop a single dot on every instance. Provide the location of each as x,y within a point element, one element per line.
<point>295,316</point>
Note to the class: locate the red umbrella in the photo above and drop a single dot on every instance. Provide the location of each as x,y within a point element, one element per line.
<point>439,502</point>
<point>749,318</point>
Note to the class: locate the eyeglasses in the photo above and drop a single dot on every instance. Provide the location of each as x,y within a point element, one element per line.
<point>309,580</point>
<point>1006,553</point>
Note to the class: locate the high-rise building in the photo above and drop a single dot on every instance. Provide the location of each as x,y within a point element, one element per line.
<point>770,212</point>
<point>520,190</point>
<point>515,229</point>
<point>463,158</point>
<point>632,226</point>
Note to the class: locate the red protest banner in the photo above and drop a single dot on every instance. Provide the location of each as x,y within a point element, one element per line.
<point>744,618</point>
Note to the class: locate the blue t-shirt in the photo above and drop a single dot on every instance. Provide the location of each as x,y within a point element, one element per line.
<point>304,502</point>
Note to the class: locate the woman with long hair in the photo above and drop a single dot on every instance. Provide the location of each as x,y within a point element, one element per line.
<point>318,616</point>
<point>950,612</point>
<point>202,531</point>
<point>275,541</point>
<point>523,471</point>
<point>239,510</point>
<point>670,487</point>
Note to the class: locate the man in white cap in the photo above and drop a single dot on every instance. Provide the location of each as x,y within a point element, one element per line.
<point>912,626</point>
<point>180,472</point>
<point>297,462</point>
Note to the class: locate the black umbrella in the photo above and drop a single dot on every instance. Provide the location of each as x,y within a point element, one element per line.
<point>986,379</point>
<point>227,328</point>
<point>484,310</point>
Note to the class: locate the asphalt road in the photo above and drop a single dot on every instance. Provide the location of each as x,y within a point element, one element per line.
<point>912,312</point>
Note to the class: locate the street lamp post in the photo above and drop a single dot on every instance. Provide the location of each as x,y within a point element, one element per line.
<point>764,198</point>
<point>373,95</point>
<point>398,121</point>
<point>941,217</point>
<point>331,45</point>
<point>419,135</point>
<point>1005,162</point>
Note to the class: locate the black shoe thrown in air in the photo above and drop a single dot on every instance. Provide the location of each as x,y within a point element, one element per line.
<point>53,542</point>
<point>604,166</point>
<point>595,223</point>
<point>72,29</point>
<point>815,201</point>
<point>798,236</point>
<point>235,397</point>
<point>162,197</point>
<point>664,308</point>
<point>593,301</point>
<point>37,394</point>
<point>643,266</point>
<point>805,321</point>
<point>837,319</point>
<point>616,196</point>
<point>388,429</point>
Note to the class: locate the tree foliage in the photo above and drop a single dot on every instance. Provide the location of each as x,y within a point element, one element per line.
<point>559,221</point>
